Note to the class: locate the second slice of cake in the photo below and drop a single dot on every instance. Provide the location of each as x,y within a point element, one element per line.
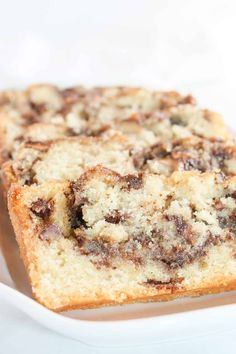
<point>68,158</point>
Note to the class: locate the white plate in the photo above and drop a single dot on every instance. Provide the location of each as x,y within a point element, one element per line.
<point>113,326</point>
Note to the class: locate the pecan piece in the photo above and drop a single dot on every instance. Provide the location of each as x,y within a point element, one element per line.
<point>133,182</point>
<point>116,216</point>
<point>42,208</point>
<point>51,232</point>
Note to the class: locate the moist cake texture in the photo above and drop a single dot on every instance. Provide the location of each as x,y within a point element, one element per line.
<point>107,238</point>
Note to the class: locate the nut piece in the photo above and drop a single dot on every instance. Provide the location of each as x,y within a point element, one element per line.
<point>51,232</point>
<point>116,216</point>
<point>42,208</point>
<point>133,182</point>
<point>70,96</point>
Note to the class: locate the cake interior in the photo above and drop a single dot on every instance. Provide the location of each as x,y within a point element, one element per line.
<point>112,238</point>
<point>68,158</point>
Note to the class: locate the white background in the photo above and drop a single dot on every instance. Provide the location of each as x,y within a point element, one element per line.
<point>165,44</point>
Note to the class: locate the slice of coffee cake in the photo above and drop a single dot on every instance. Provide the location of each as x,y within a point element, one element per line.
<point>144,114</point>
<point>111,239</point>
<point>68,158</point>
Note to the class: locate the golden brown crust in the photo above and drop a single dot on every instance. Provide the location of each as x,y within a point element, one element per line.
<point>219,287</point>
<point>2,135</point>
<point>20,220</point>
<point>7,175</point>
